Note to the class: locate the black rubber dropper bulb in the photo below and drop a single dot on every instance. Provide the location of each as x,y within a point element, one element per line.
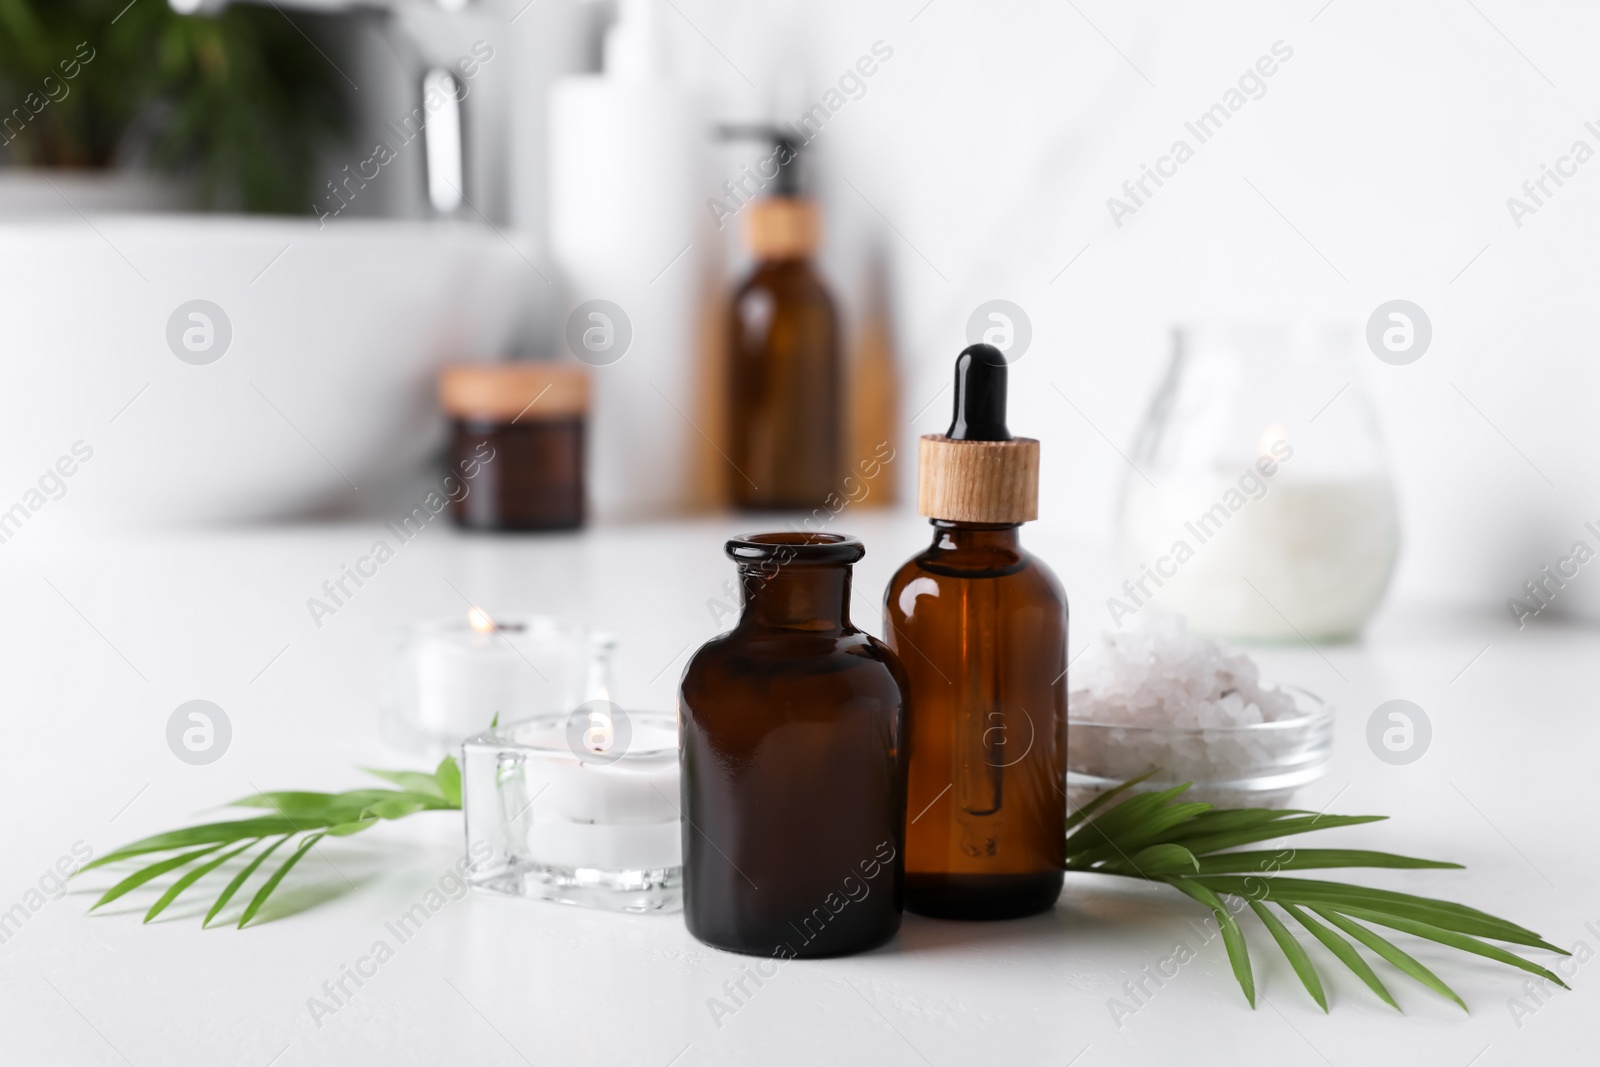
<point>980,395</point>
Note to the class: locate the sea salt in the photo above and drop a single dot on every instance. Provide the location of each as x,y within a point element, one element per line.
<point>1155,696</point>
<point>1157,673</point>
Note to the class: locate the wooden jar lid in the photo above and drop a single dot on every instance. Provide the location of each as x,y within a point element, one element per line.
<point>978,481</point>
<point>783,227</point>
<point>514,392</point>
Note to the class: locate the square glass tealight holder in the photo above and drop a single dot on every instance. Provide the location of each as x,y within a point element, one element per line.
<point>577,809</point>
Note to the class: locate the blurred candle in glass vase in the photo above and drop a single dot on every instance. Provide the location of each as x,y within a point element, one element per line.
<point>1260,505</point>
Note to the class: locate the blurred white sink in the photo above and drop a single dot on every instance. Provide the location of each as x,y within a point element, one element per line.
<point>326,384</point>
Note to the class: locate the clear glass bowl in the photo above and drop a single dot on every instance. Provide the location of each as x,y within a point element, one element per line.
<point>1258,765</point>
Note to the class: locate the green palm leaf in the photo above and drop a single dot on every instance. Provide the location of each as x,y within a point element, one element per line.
<point>1227,821</point>
<point>314,814</point>
<point>1344,951</point>
<point>1147,831</point>
<point>192,877</point>
<point>1232,936</point>
<point>219,833</point>
<point>317,808</point>
<point>1305,859</point>
<point>1394,955</point>
<point>277,877</point>
<point>448,777</point>
<point>1296,824</point>
<point>1455,940</point>
<point>397,808</point>
<point>1297,955</point>
<point>1163,859</point>
<point>155,870</point>
<point>1102,801</point>
<point>1197,850</point>
<point>1441,913</point>
<point>1112,827</point>
<point>239,880</point>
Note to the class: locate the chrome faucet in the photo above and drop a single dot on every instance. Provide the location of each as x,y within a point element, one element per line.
<point>441,89</point>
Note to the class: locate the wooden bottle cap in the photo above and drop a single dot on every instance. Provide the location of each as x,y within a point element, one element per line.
<point>978,481</point>
<point>529,391</point>
<point>783,227</point>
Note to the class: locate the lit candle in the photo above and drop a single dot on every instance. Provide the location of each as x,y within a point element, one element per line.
<point>580,808</point>
<point>604,815</point>
<point>457,675</point>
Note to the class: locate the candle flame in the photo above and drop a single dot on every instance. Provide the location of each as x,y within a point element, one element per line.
<point>479,620</point>
<point>601,734</point>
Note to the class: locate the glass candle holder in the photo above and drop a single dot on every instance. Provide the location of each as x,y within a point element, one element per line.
<point>1260,505</point>
<point>578,809</point>
<point>454,676</point>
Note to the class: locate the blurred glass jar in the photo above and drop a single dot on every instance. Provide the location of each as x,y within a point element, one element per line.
<point>516,453</point>
<point>1262,506</point>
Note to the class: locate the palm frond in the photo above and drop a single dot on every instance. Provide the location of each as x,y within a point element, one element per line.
<point>1192,847</point>
<point>310,816</point>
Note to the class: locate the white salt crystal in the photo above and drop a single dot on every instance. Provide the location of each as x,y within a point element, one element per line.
<point>1181,704</point>
<point>1159,674</point>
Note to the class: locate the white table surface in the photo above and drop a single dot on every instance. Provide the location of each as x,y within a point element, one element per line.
<point>104,638</point>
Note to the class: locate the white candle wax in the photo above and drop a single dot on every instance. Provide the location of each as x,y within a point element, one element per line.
<point>583,813</point>
<point>463,680</point>
<point>460,678</point>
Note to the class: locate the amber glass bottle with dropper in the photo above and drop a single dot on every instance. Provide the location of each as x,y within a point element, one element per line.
<point>980,626</point>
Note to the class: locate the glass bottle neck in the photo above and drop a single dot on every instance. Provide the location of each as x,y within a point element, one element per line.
<point>976,536</point>
<point>796,597</point>
<point>974,549</point>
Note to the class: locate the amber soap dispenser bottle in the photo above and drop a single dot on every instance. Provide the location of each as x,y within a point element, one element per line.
<point>981,629</point>
<point>786,420</point>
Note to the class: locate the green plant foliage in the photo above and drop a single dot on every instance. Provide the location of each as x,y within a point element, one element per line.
<point>1185,845</point>
<point>1154,836</point>
<point>312,816</point>
<point>241,100</point>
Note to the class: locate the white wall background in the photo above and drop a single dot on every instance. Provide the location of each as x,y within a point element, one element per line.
<point>982,155</point>
<point>978,164</point>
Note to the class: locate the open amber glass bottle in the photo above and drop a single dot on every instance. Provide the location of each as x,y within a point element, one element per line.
<point>981,626</point>
<point>790,727</point>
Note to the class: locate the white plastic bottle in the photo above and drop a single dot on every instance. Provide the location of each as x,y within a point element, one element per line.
<point>627,152</point>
